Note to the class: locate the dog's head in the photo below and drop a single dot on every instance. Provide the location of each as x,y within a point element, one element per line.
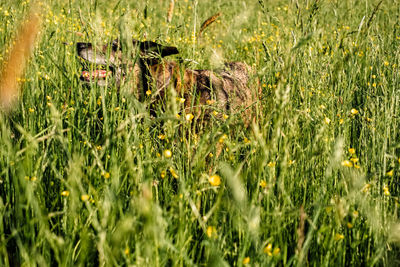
<point>111,62</point>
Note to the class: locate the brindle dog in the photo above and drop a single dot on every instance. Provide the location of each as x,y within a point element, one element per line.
<point>144,69</point>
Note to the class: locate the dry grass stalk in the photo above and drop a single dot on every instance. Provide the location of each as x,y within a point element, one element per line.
<point>14,65</point>
<point>300,230</point>
<point>208,22</point>
<point>170,11</point>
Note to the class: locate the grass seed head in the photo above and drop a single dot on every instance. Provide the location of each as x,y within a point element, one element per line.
<point>14,67</point>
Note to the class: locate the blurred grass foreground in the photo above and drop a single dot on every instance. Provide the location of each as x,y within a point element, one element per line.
<point>88,177</point>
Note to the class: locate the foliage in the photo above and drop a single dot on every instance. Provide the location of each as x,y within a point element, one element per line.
<point>89,177</point>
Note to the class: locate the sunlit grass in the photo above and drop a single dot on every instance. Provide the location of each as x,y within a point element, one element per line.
<point>88,177</point>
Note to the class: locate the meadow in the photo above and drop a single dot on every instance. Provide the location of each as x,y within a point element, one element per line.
<point>88,177</point>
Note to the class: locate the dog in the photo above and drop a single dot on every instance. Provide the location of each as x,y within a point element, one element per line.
<point>220,92</point>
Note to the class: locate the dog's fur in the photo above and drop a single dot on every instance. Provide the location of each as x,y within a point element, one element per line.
<point>203,90</point>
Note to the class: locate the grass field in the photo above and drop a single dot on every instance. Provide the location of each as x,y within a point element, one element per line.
<point>88,177</point>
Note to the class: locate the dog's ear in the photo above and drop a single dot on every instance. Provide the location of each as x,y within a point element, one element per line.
<point>115,45</point>
<point>153,51</point>
<point>81,48</point>
<point>85,51</point>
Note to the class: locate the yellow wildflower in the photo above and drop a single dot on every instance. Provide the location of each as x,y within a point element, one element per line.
<point>214,180</point>
<point>189,117</point>
<point>107,175</point>
<point>349,225</point>
<point>327,120</point>
<point>271,164</point>
<point>347,163</point>
<point>352,151</point>
<point>268,249</point>
<point>366,188</point>
<point>211,231</point>
<point>386,191</point>
<point>222,138</point>
<point>246,260</point>
<point>354,160</point>
<point>65,193</point>
<point>85,197</point>
<point>263,184</point>
<point>148,92</point>
<point>390,173</point>
<point>173,173</point>
<point>339,237</point>
<point>163,173</point>
<point>167,153</point>
<point>354,111</point>
<point>276,251</point>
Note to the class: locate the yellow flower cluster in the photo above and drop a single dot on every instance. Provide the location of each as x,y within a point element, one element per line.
<point>386,191</point>
<point>353,161</point>
<point>271,252</point>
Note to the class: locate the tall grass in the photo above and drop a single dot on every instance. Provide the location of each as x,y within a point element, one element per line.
<point>84,174</point>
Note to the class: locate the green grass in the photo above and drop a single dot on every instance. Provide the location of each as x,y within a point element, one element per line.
<point>81,168</point>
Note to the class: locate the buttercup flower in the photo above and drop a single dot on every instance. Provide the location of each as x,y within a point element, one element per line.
<point>214,180</point>
<point>167,153</point>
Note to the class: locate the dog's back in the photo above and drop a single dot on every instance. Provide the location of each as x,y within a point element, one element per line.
<point>226,89</point>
